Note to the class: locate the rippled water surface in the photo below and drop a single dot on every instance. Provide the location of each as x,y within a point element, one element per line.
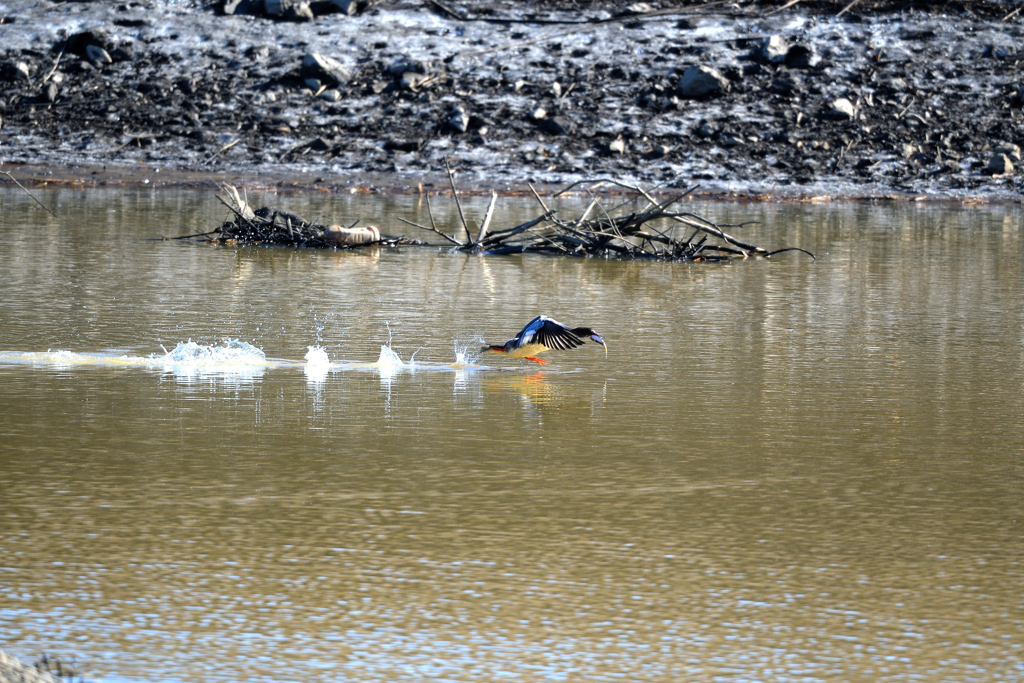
<point>223,464</point>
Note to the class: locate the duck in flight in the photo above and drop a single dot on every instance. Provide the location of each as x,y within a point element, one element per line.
<point>544,334</point>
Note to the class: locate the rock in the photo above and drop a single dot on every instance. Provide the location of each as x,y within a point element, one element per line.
<point>16,71</point>
<point>556,89</point>
<point>331,95</point>
<point>706,130</point>
<point>731,140</point>
<point>313,84</point>
<point>98,55</point>
<point>187,85</point>
<point>617,146</point>
<point>459,120</point>
<point>232,7</point>
<point>404,64</point>
<point>701,81</point>
<point>773,50</point>
<point>907,150</point>
<point>659,151</point>
<point>999,165</point>
<point>51,91</point>
<point>558,125</point>
<point>1010,150</point>
<point>347,7</point>
<point>411,80</point>
<point>800,57</point>
<point>639,8</point>
<point>78,43</point>
<point>327,69</point>
<point>319,145</point>
<point>294,10</point>
<point>120,54</point>
<point>842,110</point>
<point>300,12</point>
<point>538,114</point>
<point>782,85</point>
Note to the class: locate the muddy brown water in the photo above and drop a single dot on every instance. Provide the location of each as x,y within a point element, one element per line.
<point>789,469</point>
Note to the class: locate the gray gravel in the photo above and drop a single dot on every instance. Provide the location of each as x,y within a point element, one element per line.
<point>875,105</point>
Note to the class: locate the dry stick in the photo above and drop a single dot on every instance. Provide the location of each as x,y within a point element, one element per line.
<point>54,69</point>
<point>502,235</point>
<point>779,251</point>
<point>779,9</point>
<point>1011,14</point>
<point>455,193</point>
<point>847,8</point>
<point>7,173</point>
<point>222,149</point>
<point>487,217</point>
<point>424,227</point>
<point>534,191</point>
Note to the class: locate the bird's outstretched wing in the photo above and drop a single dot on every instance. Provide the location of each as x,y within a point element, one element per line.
<point>550,333</point>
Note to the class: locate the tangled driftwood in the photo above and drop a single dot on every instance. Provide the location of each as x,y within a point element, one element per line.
<point>630,235</point>
<point>271,226</point>
<point>615,233</point>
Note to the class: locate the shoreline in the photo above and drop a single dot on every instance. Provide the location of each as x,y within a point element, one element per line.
<point>37,176</point>
<point>767,102</point>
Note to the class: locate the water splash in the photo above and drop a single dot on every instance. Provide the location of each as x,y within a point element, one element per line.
<point>317,365</point>
<point>232,353</point>
<point>467,353</point>
<point>388,359</point>
<point>236,360</point>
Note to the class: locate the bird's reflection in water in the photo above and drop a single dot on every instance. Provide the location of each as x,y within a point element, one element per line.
<point>532,391</point>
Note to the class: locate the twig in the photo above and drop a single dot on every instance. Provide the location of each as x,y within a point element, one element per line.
<point>487,217</point>
<point>8,174</point>
<point>543,205</point>
<point>455,193</point>
<point>424,227</point>
<point>54,69</point>
<point>1011,14</point>
<point>779,251</point>
<point>779,9</point>
<point>847,8</point>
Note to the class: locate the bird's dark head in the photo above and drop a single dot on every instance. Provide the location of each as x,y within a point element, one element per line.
<point>491,348</point>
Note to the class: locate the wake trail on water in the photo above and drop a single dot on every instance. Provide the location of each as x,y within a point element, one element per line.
<point>242,360</point>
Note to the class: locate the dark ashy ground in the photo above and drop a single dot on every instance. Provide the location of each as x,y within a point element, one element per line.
<point>517,92</point>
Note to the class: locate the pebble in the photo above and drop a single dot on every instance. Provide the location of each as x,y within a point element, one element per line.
<point>701,81</point>
<point>659,151</point>
<point>1010,150</point>
<point>773,50</point>
<point>842,110</point>
<point>411,80</point>
<point>999,165</point>
<point>331,95</point>
<point>617,146</point>
<point>347,7</point>
<point>539,113</point>
<point>325,68</point>
<point>459,120</point>
<point>97,54</point>
<point>51,91</point>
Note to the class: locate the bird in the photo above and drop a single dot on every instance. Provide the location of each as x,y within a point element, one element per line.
<point>544,334</point>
